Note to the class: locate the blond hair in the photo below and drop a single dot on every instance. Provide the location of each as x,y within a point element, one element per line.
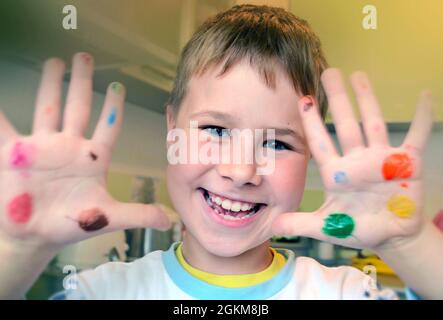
<point>261,34</point>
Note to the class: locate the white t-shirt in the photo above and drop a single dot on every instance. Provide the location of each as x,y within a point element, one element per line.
<point>159,275</point>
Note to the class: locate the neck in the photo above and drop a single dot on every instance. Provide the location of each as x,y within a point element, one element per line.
<point>252,261</point>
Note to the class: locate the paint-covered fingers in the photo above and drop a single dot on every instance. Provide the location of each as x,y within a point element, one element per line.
<point>318,138</point>
<point>7,130</point>
<point>78,101</point>
<point>305,224</point>
<point>374,125</point>
<point>110,121</point>
<point>421,125</point>
<point>47,106</point>
<point>136,215</point>
<point>345,121</point>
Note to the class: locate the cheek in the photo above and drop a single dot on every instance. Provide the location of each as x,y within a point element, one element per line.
<point>288,180</point>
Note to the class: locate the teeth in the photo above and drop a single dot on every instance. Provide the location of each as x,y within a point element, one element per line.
<point>236,206</point>
<point>227,204</point>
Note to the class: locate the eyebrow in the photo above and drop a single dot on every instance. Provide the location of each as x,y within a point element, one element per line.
<point>214,114</point>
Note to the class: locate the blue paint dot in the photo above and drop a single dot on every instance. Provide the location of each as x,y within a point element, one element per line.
<point>340,177</point>
<point>112,117</point>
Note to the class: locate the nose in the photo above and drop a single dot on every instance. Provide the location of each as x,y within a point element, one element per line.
<point>240,174</point>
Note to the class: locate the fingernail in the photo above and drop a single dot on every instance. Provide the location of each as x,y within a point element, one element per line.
<point>117,88</point>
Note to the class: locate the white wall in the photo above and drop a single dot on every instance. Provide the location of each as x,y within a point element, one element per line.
<point>141,145</point>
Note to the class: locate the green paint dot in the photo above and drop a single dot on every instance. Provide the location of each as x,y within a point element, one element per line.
<point>116,87</point>
<point>339,225</point>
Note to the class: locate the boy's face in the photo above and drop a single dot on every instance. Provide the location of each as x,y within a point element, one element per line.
<point>239,99</point>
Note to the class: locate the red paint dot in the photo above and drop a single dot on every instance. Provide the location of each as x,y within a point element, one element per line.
<point>404,185</point>
<point>20,208</point>
<point>398,165</point>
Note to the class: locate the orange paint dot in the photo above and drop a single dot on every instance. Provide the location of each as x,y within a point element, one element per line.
<point>397,165</point>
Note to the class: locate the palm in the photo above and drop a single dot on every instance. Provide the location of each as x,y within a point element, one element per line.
<point>373,193</point>
<point>54,183</point>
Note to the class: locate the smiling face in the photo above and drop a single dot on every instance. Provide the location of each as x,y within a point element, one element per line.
<point>228,208</point>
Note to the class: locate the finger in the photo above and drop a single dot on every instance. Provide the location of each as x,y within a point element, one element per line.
<point>373,123</point>
<point>346,124</point>
<point>7,131</point>
<point>136,215</point>
<point>422,124</point>
<point>110,121</point>
<point>78,101</point>
<point>47,106</point>
<point>305,224</point>
<point>319,140</point>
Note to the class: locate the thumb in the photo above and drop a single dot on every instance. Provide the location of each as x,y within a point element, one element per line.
<point>137,215</point>
<point>306,224</point>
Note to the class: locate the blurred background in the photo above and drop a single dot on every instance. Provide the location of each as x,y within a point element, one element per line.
<point>137,42</point>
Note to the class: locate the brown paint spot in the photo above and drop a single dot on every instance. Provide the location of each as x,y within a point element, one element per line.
<point>92,220</point>
<point>397,165</point>
<point>93,156</point>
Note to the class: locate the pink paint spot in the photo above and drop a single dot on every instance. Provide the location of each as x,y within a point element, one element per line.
<point>377,128</point>
<point>25,174</point>
<point>48,110</point>
<point>20,208</point>
<point>404,185</point>
<point>86,57</point>
<point>21,155</point>
<point>438,220</point>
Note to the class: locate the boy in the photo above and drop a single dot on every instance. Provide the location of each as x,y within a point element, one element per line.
<point>247,68</point>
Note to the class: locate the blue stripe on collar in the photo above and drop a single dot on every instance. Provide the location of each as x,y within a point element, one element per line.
<point>205,291</point>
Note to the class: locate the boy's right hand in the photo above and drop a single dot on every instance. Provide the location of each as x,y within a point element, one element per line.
<point>53,183</point>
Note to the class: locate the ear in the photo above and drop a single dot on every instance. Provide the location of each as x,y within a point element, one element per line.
<point>170,117</point>
<point>170,122</point>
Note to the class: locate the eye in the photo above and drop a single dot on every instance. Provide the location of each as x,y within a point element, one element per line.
<point>217,131</point>
<point>276,144</point>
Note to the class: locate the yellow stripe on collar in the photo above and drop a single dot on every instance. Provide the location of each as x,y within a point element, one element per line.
<point>236,280</point>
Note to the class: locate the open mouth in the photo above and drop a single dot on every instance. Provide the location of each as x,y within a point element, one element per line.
<point>231,210</point>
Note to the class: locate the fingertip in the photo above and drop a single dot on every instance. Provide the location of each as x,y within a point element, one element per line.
<point>53,69</point>
<point>330,72</point>
<point>84,57</point>
<point>53,62</point>
<point>117,88</point>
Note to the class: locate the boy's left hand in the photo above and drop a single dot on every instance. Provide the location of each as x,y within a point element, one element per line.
<point>374,192</point>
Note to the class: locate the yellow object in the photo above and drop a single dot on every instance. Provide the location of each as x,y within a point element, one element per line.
<point>236,280</point>
<point>380,266</point>
<point>402,206</point>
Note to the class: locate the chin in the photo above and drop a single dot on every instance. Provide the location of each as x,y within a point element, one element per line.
<point>229,248</point>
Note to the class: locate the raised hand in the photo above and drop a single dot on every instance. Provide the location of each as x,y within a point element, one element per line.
<point>374,192</point>
<point>53,183</point>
